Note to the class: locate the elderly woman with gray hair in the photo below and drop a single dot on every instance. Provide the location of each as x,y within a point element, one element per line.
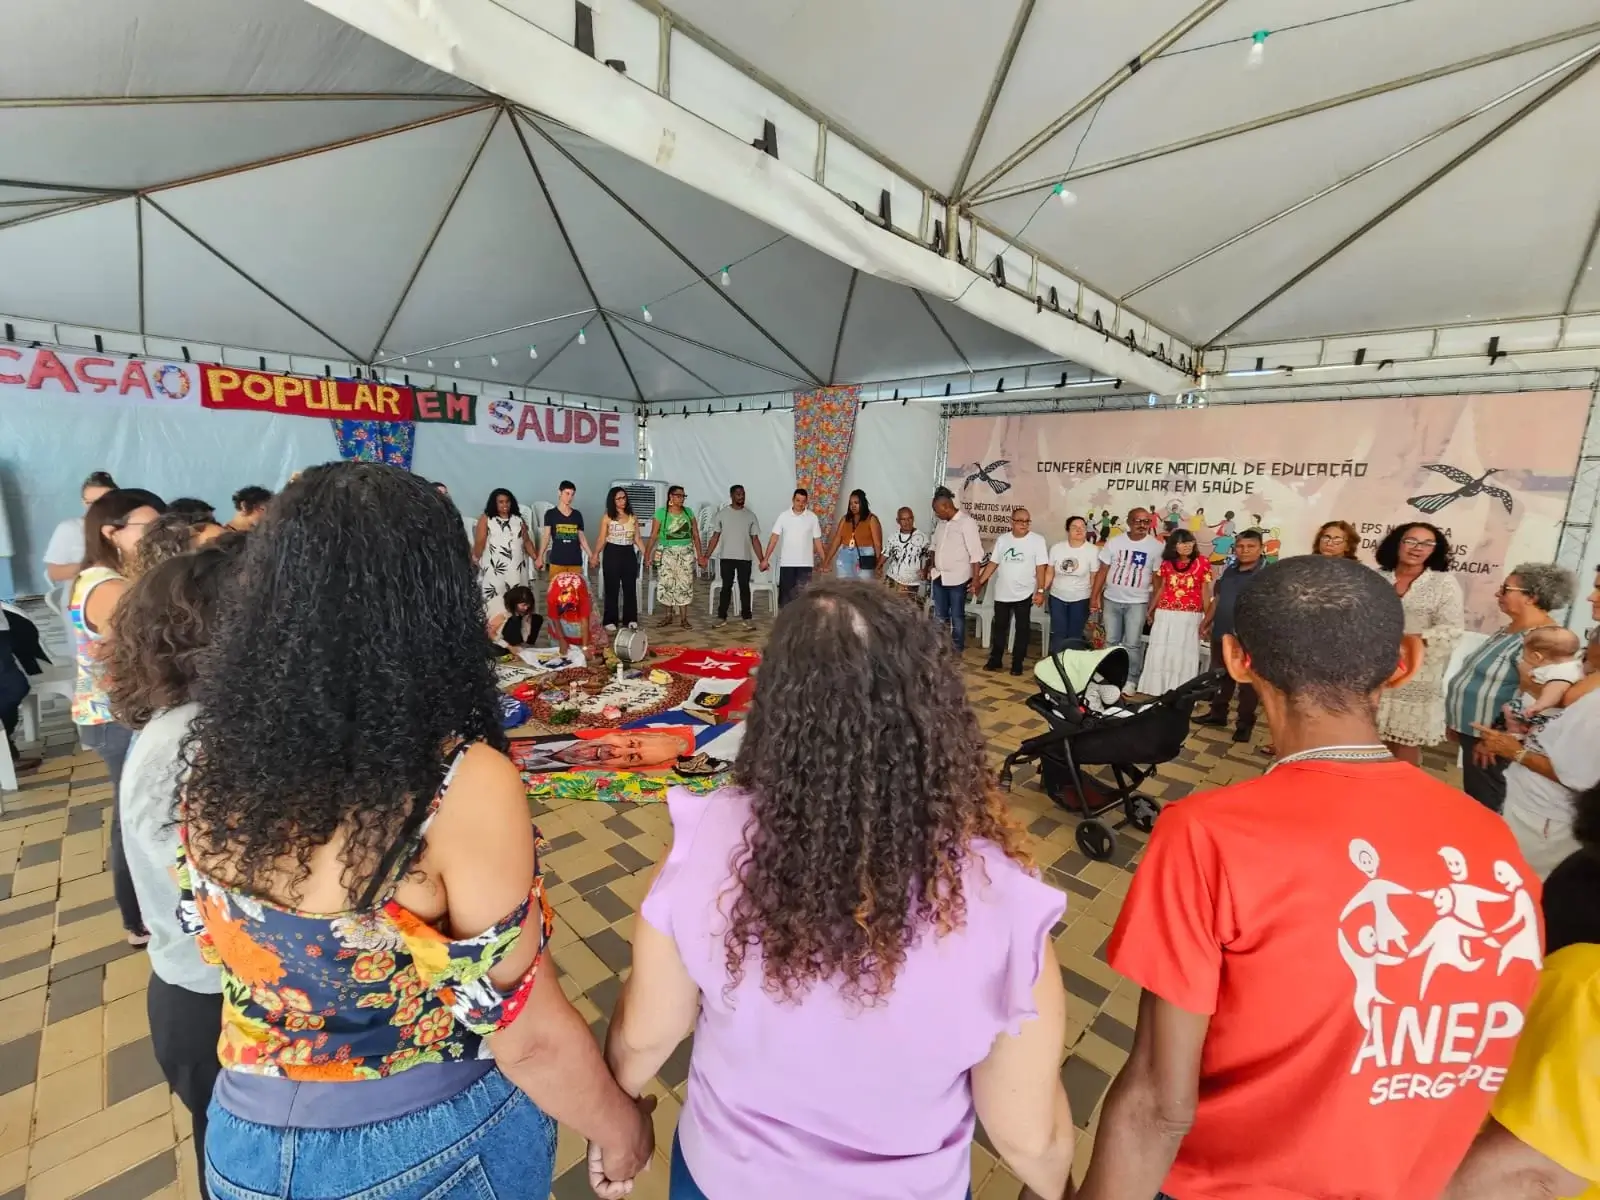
<point>1478,693</point>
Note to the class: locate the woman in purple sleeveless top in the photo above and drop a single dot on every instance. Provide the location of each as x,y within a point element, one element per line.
<point>854,935</point>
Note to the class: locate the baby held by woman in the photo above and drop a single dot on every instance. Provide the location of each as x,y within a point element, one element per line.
<point>1550,664</point>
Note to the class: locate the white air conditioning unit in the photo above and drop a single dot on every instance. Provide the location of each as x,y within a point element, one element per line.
<point>644,497</point>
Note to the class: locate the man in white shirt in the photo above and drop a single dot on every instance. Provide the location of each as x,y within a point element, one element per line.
<point>905,554</point>
<point>800,535</point>
<point>64,553</point>
<point>957,553</point>
<point>1121,591</point>
<point>1017,568</point>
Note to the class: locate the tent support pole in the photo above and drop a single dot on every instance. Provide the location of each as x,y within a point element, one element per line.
<point>1117,79</point>
<point>1305,110</point>
<point>1583,265</point>
<point>1420,142</point>
<point>996,86</point>
<point>1372,223</point>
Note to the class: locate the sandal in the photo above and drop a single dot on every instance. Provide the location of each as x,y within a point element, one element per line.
<point>699,764</point>
<point>684,621</point>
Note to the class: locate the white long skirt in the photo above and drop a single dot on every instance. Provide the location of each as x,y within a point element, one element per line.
<point>1173,655</point>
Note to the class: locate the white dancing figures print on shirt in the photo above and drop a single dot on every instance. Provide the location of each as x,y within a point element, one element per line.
<point>1409,949</point>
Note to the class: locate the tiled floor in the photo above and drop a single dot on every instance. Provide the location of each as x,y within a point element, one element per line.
<point>84,1111</point>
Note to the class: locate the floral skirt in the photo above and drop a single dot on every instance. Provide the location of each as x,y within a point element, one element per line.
<point>675,577</point>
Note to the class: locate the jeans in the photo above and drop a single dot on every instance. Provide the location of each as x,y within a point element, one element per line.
<point>734,570</point>
<point>1486,785</point>
<point>184,1028</point>
<point>1125,627</point>
<point>950,608</point>
<point>1067,619</point>
<point>790,581</point>
<point>847,563</point>
<point>111,741</point>
<point>1248,699</point>
<point>1007,612</point>
<point>487,1141</point>
<point>619,577</point>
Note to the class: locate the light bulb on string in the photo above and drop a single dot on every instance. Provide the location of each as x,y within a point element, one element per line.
<point>493,361</point>
<point>533,352</point>
<point>727,276</point>
<point>456,364</point>
<point>430,363</point>
<point>1258,49</point>
<point>1065,194</point>
<point>403,360</point>
<point>583,337</point>
<point>648,319</point>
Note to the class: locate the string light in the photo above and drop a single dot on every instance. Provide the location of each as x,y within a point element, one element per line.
<point>1065,194</point>
<point>493,361</point>
<point>404,360</point>
<point>533,352</point>
<point>583,337</point>
<point>1258,49</point>
<point>456,364</point>
<point>648,319</point>
<point>727,276</point>
<point>430,362</point>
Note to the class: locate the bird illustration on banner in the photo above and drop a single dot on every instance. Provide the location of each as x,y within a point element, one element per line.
<point>985,473</point>
<point>1470,486</point>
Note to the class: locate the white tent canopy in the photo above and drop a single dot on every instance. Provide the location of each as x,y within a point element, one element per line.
<point>289,185</point>
<point>1387,165</point>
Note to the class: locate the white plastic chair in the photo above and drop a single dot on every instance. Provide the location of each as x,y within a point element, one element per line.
<point>55,680</point>
<point>760,582</point>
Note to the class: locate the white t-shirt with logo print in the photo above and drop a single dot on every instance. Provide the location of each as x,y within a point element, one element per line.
<point>1075,567</point>
<point>1016,561</point>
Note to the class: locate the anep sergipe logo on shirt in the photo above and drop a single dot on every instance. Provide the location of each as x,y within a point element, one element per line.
<point>1414,951</point>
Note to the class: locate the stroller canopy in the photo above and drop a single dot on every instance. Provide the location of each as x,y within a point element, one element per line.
<point>1070,671</point>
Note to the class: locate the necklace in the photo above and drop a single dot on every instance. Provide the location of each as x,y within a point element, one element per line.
<point>1376,752</point>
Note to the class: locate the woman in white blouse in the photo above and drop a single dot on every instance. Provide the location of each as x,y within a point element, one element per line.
<point>1415,558</point>
<point>1070,577</point>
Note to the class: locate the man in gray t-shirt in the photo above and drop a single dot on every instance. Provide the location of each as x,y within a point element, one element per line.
<point>738,535</point>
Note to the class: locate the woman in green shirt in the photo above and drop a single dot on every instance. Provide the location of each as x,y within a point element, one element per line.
<point>675,548</point>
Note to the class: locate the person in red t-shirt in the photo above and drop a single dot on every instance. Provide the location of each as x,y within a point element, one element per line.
<point>1336,957</point>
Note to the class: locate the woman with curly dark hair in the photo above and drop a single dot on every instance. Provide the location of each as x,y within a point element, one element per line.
<point>857,928</point>
<point>1415,558</point>
<point>502,547</point>
<point>359,857</point>
<point>164,625</point>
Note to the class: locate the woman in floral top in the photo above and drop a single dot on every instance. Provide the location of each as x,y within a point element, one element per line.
<point>358,858</point>
<point>1177,605</point>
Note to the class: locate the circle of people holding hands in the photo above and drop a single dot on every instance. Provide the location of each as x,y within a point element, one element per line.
<point>355,987</point>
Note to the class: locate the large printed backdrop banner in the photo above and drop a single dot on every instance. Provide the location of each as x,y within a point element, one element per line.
<point>1494,472</point>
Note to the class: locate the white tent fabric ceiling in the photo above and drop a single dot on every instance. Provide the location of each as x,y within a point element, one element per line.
<point>291,185</point>
<point>1202,187</point>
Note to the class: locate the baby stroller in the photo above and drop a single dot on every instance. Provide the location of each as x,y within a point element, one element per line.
<point>1080,696</point>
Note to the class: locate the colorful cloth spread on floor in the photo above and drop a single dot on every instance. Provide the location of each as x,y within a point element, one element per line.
<point>598,736</point>
<point>357,995</point>
<point>824,428</point>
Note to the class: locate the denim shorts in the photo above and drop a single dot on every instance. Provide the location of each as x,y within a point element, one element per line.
<point>487,1141</point>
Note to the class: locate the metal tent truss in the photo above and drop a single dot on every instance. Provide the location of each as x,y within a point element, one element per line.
<point>1385,165</point>
<point>316,201</point>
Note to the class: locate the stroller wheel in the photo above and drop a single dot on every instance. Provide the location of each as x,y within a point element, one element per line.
<point>1141,812</point>
<point>1095,840</point>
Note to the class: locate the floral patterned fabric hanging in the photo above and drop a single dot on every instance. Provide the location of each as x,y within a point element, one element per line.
<point>824,429</point>
<point>376,441</point>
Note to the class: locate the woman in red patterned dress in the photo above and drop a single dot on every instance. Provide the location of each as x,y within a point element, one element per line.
<point>1177,604</point>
